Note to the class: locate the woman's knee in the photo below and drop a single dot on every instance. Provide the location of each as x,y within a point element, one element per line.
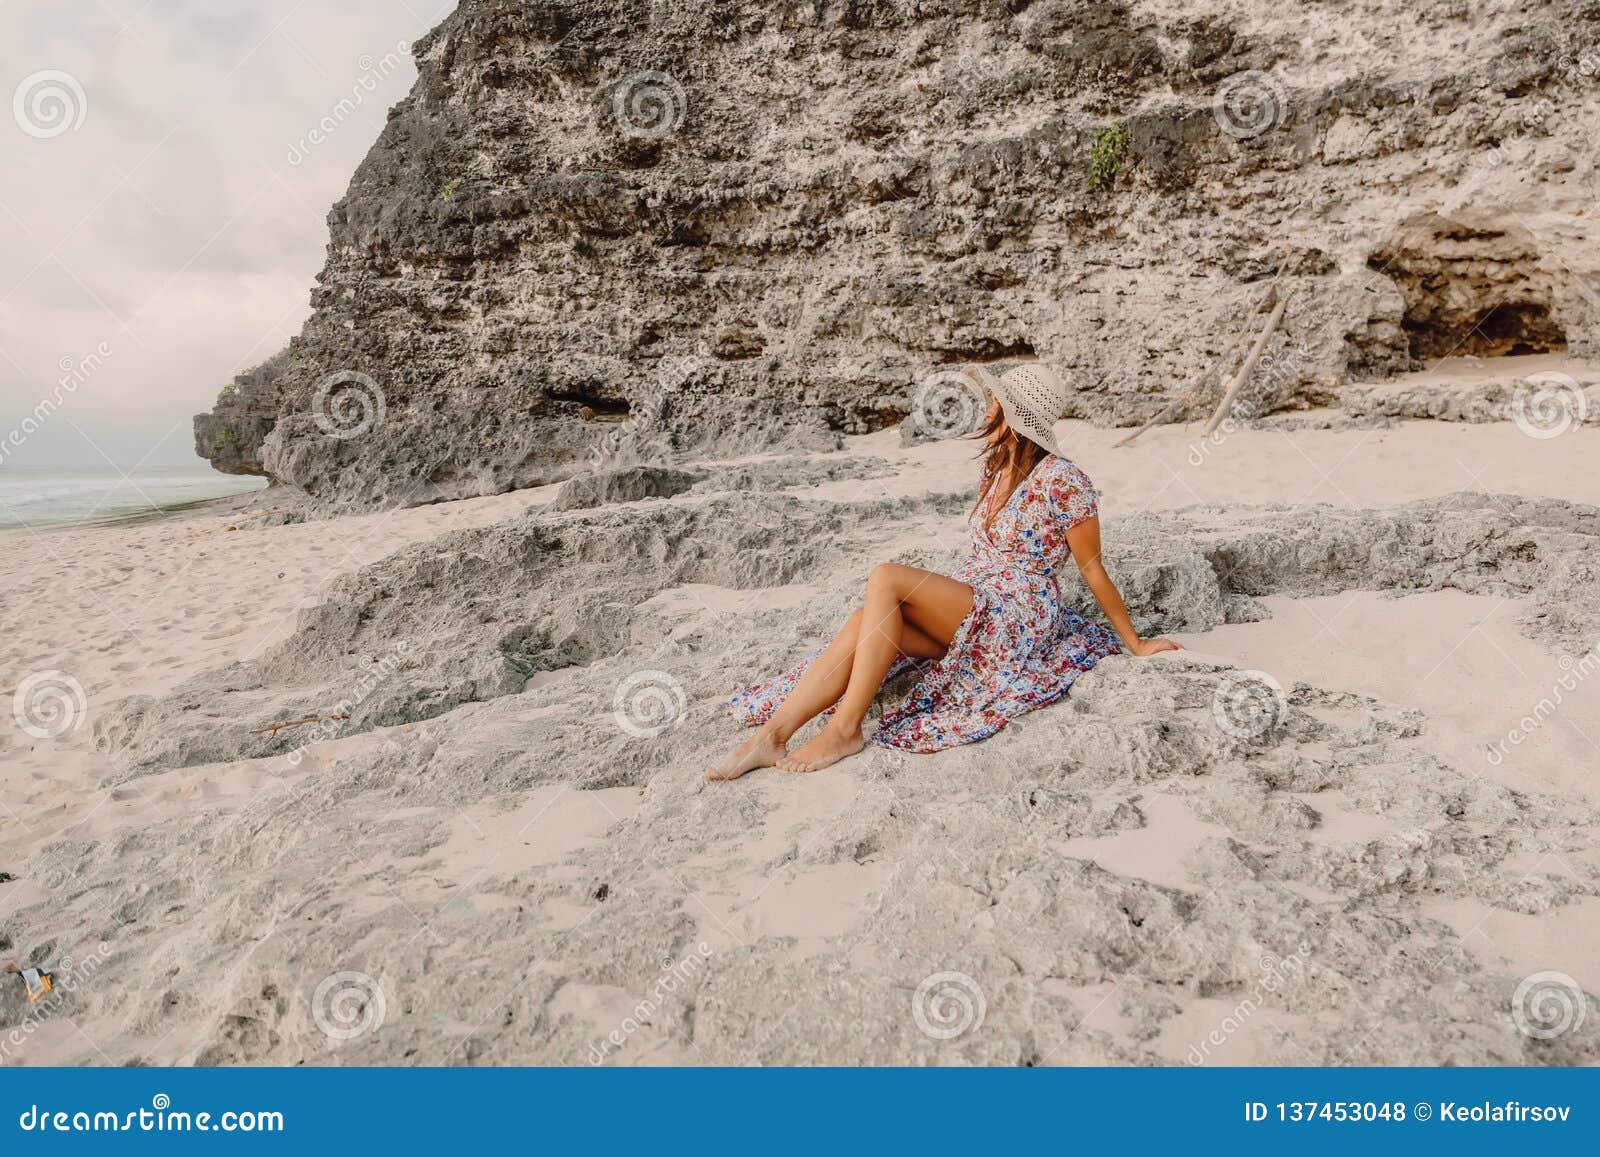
<point>888,577</point>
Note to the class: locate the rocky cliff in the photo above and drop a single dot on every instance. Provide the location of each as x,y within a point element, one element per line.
<point>615,229</point>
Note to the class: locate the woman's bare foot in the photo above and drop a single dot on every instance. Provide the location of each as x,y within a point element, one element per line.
<point>761,750</point>
<point>831,744</point>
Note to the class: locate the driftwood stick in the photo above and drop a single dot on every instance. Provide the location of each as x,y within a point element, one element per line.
<point>1181,404</point>
<point>1236,383</point>
<point>1201,384</point>
<point>1226,367</point>
<point>277,727</point>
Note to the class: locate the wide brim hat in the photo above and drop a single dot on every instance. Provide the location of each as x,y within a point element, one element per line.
<point>1032,398</point>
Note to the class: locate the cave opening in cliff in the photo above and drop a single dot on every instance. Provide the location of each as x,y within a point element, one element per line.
<point>594,407</point>
<point>1471,291</point>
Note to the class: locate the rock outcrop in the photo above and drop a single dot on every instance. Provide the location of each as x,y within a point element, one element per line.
<point>1545,403</point>
<point>729,226</point>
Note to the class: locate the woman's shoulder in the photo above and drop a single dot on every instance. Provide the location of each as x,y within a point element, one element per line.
<point>1065,472</point>
<point>1072,496</point>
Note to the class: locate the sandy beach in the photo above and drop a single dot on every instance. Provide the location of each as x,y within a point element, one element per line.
<point>525,888</point>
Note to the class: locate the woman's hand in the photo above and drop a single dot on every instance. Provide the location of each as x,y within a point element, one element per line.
<point>1144,648</point>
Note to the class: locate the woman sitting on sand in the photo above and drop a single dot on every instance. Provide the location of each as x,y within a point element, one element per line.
<point>1001,640</point>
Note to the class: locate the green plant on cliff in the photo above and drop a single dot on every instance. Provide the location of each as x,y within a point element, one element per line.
<point>224,439</point>
<point>1106,154</point>
<point>450,188</point>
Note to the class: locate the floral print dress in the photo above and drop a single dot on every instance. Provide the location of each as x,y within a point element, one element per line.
<point>1020,647</point>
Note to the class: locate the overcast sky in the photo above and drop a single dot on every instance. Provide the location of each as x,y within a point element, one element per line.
<point>156,233</point>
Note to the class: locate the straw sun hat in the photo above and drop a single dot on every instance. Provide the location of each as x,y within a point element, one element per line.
<point>1032,398</point>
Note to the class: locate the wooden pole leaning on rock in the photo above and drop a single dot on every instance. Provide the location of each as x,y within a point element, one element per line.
<point>1201,384</point>
<point>1236,383</point>
<point>1181,404</point>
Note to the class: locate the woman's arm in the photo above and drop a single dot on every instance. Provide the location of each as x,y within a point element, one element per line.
<point>1084,540</point>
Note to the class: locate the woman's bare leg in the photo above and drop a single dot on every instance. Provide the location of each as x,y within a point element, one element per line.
<point>900,600</point>
<point>831,669</point>
<point>818,689</point>
<point>822,684</point>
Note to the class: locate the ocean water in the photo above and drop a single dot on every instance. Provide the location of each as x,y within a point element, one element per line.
<point>47,497</point>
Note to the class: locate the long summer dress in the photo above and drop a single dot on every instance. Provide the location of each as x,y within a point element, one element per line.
<point>1019,648</point>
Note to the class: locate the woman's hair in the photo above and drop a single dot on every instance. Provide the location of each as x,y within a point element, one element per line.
<point>1007,460</point>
